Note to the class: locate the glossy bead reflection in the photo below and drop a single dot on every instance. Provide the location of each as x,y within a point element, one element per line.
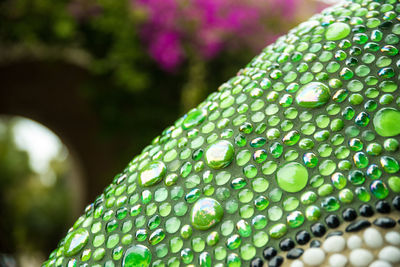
<point>137,256</point>
<point>194,118</point>
<point>313,95</point>
<point>219,155</point>
<point>337,31</point>
<point>206,213</point>
<point>152,173</point>
<point>292,177</point>
<point>387,122</point>
<point>379,189</point>
<point>75,241</point>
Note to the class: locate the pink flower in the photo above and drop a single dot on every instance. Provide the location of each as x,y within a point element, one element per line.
<point>166,49</point>
<point>206,27</point>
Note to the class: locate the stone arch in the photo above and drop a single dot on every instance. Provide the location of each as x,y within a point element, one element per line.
<point>50,92</point>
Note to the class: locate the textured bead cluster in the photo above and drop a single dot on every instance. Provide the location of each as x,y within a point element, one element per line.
<point>308,129</point>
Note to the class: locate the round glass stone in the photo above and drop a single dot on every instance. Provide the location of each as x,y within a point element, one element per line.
<point>206,213</point>
<point>75,241</point>
<point>387,122</point>
<point>292,177</point>
<point>219,155</point>
<point>278,230</point>
<point>379,189</point>
<point>152,173</point>
<point>137,256</point>
<point>337,31</point>
<point>295,219</point>
<point>394,183</point>
<point>313,95</point>
<point>194,118</point>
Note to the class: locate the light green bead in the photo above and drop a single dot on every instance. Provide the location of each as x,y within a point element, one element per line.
<point>75,241</point>
<point>219,155</point>
<point>292,177</point>
<point>205,213</point>
<point>387,122</point>
<point>313,95</point>
<point>152,173</point>
<point>337,31</point>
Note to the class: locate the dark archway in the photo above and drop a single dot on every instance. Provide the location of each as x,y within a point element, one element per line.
<point>50,93</point>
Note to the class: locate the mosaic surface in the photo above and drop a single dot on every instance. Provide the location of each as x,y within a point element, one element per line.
<point>301,140</point>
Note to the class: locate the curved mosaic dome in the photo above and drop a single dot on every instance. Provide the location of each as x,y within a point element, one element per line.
<point>292,162</point>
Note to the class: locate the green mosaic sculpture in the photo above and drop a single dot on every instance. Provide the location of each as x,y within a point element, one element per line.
<point>306,134</point>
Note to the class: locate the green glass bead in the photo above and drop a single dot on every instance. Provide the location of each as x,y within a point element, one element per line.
<point>292,177</point>
<point>156,237</point>
<point>313,213</point>
<point>233,260</point>
<point>389,164</point>
<point>313,95</point>
<point>205,259</point>
<point>337,31</point>
<point>330,204</point>
<point>219,155</point>
<point>213,238</point>
<point>338,180</point>
<point>379,189</point>
<point>391,144</point>
<point>295,219</point>
<point>325,190</point>
<point>278,230</point>
<point>194,118</point>
<point>243,228</point>
<point>187,255</point>
<point>310,160</point>
<point>137,255</point>
<point>75,241</point>
<point>152,173</point>
<point>290,203</point>
<point>346,196</point>
<point>387,122</point>
<point>394,183</point>
<point>233,242</point>
<point>205,213</point>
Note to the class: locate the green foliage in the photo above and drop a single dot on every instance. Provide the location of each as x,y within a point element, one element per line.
<point>31,220</point>
<point>104,30</point>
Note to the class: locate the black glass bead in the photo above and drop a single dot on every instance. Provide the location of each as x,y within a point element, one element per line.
<point>349,214</point>
<point>294,253</point>
<point>366,210</point>
<point>269,253</point>
<point>315,244</point>
<point>382,206</point>
<point>396,202</point>
<point>358,225</point>
<point>302,237</point>
<point>318,229</point>
<point>385,25</point>
<point>334,233</point>
<point>275,261</point>
<point>332,221</point>
<point>256,262</point>
<point>286,244</point>
<point>385,222</point>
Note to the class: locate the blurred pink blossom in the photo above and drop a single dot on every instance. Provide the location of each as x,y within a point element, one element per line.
<point>176,28</point>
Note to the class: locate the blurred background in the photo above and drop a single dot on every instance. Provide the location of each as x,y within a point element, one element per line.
<point>86,84</point>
